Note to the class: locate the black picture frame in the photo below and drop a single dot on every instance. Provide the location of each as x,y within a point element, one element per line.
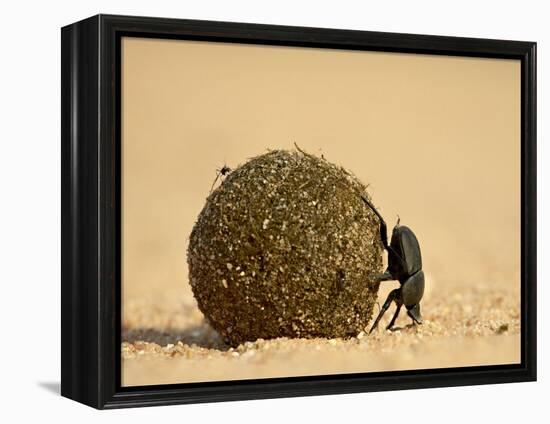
<point>91,218</point>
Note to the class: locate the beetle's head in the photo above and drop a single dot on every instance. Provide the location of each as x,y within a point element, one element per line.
<point>414,313</point>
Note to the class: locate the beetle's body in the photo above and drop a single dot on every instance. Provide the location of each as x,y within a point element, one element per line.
<point>405,266</point>
<point>404,244</point>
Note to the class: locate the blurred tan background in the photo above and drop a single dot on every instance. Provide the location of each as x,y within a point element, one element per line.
<point>436,137</point>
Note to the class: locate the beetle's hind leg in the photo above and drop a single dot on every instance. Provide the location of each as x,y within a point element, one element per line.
<point>394,295</point>
<point>383,226</point>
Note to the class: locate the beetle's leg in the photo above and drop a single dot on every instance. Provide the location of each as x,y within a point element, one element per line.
<point>394,294</point>
<point>384,233</point>
<point>390,325</point>
<point>377,278</point>
<point>383,226</point>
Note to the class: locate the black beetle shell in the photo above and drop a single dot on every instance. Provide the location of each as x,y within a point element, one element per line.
<point>405,244</point>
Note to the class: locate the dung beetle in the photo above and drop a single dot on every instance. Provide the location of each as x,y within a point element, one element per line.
<point>404,265</point>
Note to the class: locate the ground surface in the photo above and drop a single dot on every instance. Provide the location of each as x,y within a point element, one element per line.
<point>165,340</point>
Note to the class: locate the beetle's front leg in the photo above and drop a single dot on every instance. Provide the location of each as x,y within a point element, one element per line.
<point>394,294</point>
<point>392,322</point>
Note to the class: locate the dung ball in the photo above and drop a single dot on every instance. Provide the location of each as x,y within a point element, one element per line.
<point>286,247</point>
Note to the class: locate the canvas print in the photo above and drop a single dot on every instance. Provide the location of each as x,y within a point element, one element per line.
<point>291,211</point>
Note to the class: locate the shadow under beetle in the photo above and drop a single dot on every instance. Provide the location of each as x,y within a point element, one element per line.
<point>404,265</point>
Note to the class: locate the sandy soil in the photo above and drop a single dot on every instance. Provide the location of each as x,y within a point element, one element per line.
<point>167,341</point>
